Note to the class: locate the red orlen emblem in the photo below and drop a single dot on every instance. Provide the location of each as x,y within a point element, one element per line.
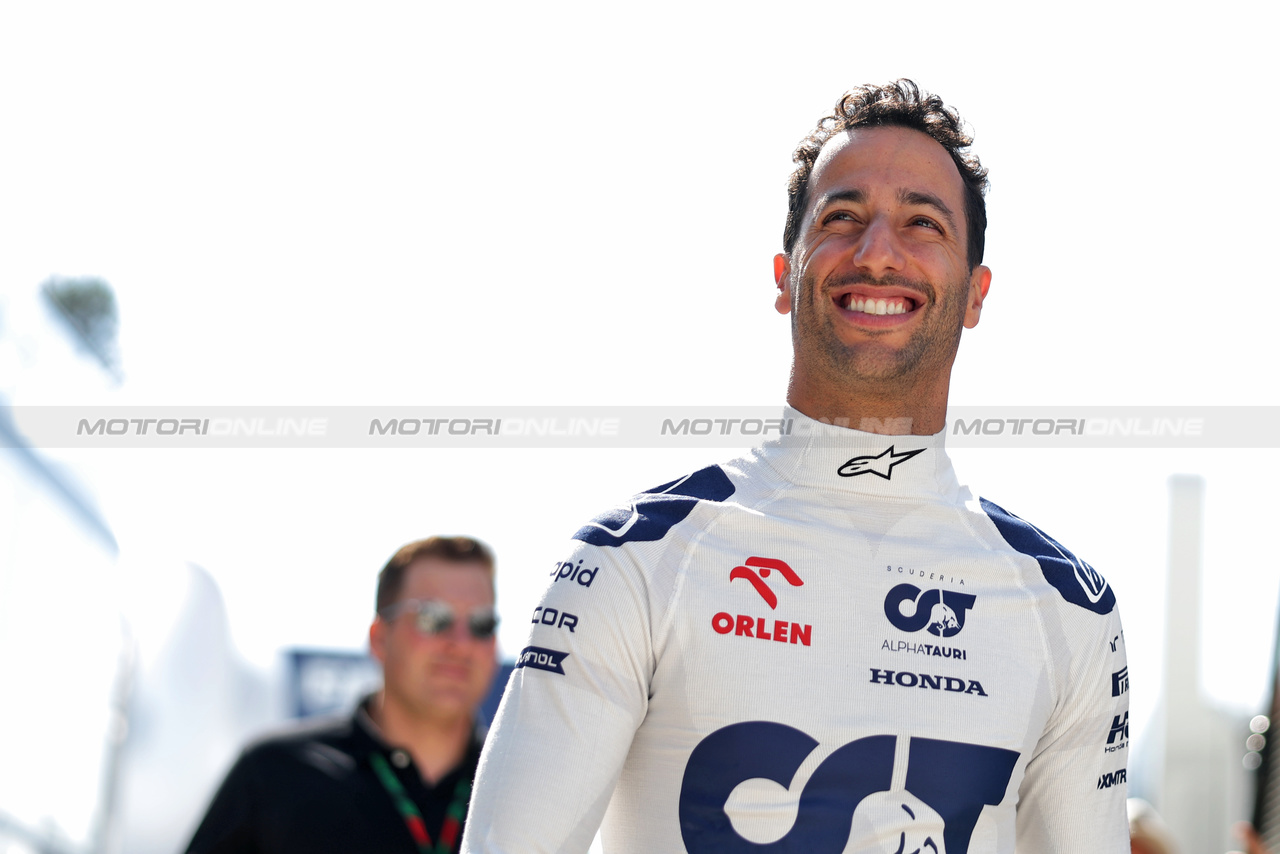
<point>765,565</point>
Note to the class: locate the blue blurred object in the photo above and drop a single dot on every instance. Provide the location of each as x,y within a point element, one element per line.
<point>322,682</point>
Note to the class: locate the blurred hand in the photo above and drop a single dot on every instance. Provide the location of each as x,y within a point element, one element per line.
<point>1252,841</point>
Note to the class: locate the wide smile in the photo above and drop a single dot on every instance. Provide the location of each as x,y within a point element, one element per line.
<point>877,307</point>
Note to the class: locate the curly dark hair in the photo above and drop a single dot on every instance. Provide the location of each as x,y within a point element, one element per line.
<point>897,104</point>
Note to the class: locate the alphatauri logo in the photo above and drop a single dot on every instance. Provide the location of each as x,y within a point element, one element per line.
<point>941,612</point>
<point>880,464</point>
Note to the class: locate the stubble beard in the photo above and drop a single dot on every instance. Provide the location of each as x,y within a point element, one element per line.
<point>870,363</point>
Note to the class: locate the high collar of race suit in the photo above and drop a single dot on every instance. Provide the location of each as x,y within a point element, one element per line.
<point>828,456</point>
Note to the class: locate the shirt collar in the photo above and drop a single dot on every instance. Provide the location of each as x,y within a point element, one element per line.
<point>813,453</point>
<point>368,738</point>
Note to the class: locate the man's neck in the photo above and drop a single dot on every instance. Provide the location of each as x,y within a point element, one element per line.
<point>919,413</point>
<point>437,744</point>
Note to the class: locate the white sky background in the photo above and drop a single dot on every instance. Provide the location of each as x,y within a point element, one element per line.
<point>533,204</point>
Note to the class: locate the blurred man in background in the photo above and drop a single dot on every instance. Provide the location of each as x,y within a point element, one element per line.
<point>395,775</point>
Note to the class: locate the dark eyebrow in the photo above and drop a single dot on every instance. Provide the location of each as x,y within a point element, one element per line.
<point>856,196</point>
<point>853,196</point>
<point>915,197</point>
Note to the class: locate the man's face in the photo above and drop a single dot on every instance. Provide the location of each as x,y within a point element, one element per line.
<point>878,281</point>
<point>437,676</point>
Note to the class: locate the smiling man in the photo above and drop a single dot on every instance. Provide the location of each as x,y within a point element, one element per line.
<point>828,645</point>
<point>880,277</point>
<point>396,774</point>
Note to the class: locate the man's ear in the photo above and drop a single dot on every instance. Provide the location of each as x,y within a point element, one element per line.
<point>378,639</point>
<point>979,282</point>
<point>782,276</point>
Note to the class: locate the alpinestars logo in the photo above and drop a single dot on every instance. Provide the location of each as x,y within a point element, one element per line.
<point>880,464</point>
<point>766,566</point>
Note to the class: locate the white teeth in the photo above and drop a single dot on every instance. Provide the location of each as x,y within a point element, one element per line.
<point>874,306</point>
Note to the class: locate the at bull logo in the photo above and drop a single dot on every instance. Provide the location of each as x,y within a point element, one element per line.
<point>942,612</point>
<point>849,796</point>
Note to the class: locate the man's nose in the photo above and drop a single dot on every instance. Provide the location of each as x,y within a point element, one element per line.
<point>879,248</point>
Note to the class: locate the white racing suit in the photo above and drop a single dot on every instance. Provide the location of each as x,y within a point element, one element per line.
<point>825,646</point>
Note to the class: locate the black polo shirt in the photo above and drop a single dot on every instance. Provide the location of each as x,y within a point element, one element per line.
<point>312,790</point>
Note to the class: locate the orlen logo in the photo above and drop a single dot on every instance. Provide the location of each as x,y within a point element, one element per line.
<point>755,570</point>
<point>942,612</point>
<point>765,565</point>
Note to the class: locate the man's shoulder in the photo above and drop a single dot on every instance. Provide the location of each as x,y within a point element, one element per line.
<point>1075,580</point>
<point>651,514</point>
<point>332,736</point>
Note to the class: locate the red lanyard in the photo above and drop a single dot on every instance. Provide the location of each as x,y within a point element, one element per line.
<point>413,818</point>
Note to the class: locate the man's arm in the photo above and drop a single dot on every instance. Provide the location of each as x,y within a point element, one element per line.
<point>1073,796</point>
<point>568,716</point>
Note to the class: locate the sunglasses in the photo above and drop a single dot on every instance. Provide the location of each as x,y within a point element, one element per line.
<point>436,618</point>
